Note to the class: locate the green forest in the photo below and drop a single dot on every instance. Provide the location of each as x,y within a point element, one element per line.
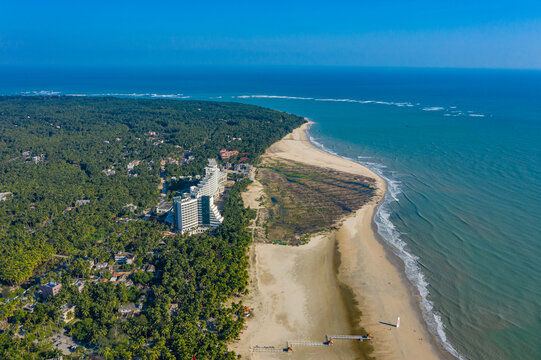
<point>79,174</point>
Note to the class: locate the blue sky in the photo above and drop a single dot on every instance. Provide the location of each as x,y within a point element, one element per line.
<point>485,34</point>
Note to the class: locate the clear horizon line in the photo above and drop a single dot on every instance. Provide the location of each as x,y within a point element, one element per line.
<point>249,66</point>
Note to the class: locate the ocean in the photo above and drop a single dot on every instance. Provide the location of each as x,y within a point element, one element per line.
<point>459,149</point>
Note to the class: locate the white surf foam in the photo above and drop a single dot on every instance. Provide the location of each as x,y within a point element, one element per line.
<point>451,110</point>
<point>391,236</point>
<point>132,95</point>
<point>40,93</point>
<point>399,104</point>
<point>433,108</point>
<point>144,95</point>
<point>273,97</point>
<point>347,100</point>
<point>170,96</point>
<point>358,101</point>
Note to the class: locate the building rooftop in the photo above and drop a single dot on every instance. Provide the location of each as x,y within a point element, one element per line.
<point>164,206</point>
<point>67,307</point>
<point>130,308</point>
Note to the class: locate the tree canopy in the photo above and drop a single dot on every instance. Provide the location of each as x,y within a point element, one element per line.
<point>82,173</point>
<point>55,151</point>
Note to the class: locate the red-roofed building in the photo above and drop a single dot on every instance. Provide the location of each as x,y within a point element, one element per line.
<point>226,154</point>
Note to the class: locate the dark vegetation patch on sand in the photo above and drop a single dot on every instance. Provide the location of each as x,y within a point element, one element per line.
<point>301,200</point>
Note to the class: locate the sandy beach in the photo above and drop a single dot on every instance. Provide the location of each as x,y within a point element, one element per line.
<point>296,292</point>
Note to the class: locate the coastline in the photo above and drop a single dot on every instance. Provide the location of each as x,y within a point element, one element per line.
<point>305,292</point>
<point>412,291</point>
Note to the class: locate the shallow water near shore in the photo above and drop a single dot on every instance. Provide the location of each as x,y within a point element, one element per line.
<point>460,151</point>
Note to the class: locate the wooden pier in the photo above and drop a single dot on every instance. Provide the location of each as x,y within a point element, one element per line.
<point>268,349</point>
<point>293,343</point>
<point>349,337</point>
<point>307,343</point>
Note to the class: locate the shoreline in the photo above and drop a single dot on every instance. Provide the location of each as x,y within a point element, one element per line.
<point>394,259</point>
<point>323,287</point>
<point>414,297</point>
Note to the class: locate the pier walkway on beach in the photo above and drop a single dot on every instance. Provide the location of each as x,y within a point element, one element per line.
<point>292,343</point>
<point>268,349</point>
<point>348,337</point>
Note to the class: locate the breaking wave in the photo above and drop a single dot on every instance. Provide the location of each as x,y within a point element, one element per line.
<point>40,93</point>
<point>144,95</point>
<point>447,111</point>
<point>273,97</point>
<point>130,95</point>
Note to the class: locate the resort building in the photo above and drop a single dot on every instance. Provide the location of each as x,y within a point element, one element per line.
<point>124,258</point>
<point>80,285</point>
<point>101,266</point>
<point>212,184</point>
<point>198,210</point>
<point>209,215</point>
<point>226,154</point>
<point>243,169</point>
<point>30,307</point>
<point>163,207</point>
<point>67,313</point>
<point>186,214</point>
<point>130,309</point>
<point>50,289</point>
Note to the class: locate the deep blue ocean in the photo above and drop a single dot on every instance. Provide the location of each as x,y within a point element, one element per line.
<point>459,149</point>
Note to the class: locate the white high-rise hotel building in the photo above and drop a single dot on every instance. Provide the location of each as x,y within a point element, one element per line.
<point>197,210</point>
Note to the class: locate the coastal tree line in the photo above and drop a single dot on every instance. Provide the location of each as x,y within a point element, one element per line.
<point>55,153</point>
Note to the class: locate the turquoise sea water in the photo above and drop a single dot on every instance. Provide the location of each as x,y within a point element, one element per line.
<point>460,150</point>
